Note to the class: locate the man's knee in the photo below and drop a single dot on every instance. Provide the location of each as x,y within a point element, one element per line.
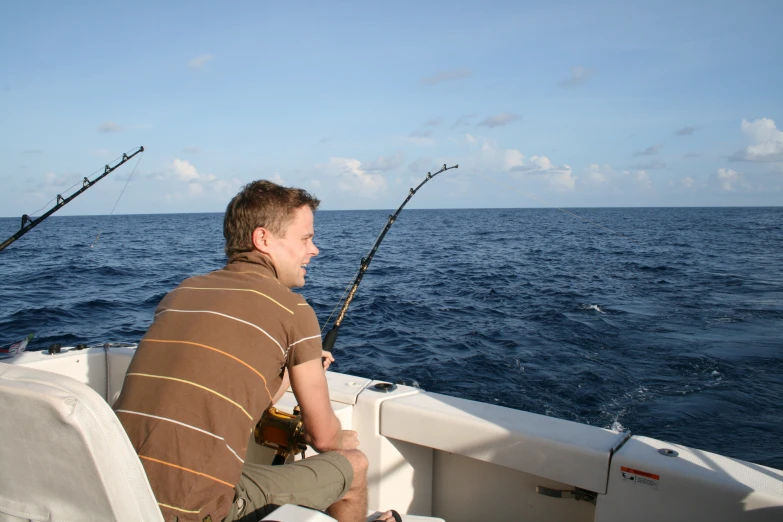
<point>359,463</point>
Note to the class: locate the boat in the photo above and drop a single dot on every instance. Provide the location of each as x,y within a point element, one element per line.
<point>65,456</point>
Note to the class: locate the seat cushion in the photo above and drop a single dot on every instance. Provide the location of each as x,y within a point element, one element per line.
<point>65,455</point>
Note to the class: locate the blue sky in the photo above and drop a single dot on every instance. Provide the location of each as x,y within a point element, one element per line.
<point>569,104</point>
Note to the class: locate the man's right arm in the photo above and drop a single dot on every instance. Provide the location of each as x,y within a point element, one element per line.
<point>321,424</point>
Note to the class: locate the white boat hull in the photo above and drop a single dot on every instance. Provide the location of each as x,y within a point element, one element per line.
<point>460,460</point>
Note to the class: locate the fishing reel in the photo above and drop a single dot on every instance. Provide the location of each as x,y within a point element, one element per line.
<point>282,432</point>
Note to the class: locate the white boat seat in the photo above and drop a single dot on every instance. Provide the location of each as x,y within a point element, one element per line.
<point>65,456</point>
<point>407,518</point>
<point>292,513</point>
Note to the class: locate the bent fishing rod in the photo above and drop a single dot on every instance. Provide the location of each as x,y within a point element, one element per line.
<point>331,336</point>
<point>29,223</point>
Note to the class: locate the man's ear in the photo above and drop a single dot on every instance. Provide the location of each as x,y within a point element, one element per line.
<point>261,239</point>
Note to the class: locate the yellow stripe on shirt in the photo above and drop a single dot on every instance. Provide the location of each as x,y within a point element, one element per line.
<point>186,469</point>
<point>165,310</point>
<point>178,509</point>
<point>237,290</point>
<point>237,359</point>
<point>197,386</point>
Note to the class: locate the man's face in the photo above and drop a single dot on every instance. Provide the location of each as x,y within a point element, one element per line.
<point>294,249</point>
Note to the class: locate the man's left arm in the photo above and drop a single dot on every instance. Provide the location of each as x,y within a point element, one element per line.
<point>328,359</point>
<point>312,393</point>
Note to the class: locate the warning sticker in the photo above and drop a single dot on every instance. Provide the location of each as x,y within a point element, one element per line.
<point>642,478</point>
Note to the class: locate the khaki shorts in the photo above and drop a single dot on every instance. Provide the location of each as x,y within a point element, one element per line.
<point>316,482</point>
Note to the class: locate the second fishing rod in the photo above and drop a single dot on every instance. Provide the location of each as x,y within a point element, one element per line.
<point>331,335</point>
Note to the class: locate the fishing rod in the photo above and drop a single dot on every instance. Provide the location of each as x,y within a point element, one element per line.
<point>331,336</point>
<point>28,223</point>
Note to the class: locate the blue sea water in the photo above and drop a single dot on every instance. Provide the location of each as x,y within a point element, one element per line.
<point>670,324</point>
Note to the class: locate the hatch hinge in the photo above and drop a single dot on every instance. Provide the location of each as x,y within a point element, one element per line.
<point>576,493</point>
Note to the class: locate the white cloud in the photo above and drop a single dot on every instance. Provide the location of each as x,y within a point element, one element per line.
<point>445,76</point>
<point>58,180</point>
<point>766,141</point>
<point>597,174</point>
<point>579,75</point>
<point>620,182</point>
<point>422,139</point>
<point>470,139</point>
<point>513,159</point>
<point>642,178</point>
<point>109,126</point>
<point>499,120</point>
<point>493,158</point>
<point>649,151</point>
<point>420,133</point>
<point>686,131</point>
<point>653,164</point>
<point>560,178</point>
<point>101,153</point>
<point>353,178</point>
<point>731,181</point>
<point>627,180</point>
<point>383,164</point>
<point>200,61</point>
<point>463,121</point>
<point>53,183</point>
<point>420,166</point>
<point>688,182</point>
<point>563,179</point>
<point>183,171</point>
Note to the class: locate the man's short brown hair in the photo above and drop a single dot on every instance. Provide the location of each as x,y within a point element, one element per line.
<point>261,204</point>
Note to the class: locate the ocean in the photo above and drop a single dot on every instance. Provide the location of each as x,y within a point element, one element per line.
<point>664,321</point>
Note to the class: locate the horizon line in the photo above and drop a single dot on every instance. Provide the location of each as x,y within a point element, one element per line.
<point>417,209</point>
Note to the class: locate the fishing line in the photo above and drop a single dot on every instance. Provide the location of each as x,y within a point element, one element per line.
<point>531,196</point>
<point>348,286</point>
<point>339,302</point>
<point>46,205</point>
<point>118,199</point>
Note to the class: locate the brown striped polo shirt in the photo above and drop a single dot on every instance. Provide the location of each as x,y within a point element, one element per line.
<point>203,375</point>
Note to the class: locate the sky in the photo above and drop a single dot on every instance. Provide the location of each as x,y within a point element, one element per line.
<point>541,104</point>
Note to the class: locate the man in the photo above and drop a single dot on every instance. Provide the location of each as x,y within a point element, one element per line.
<point>220,351</point>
